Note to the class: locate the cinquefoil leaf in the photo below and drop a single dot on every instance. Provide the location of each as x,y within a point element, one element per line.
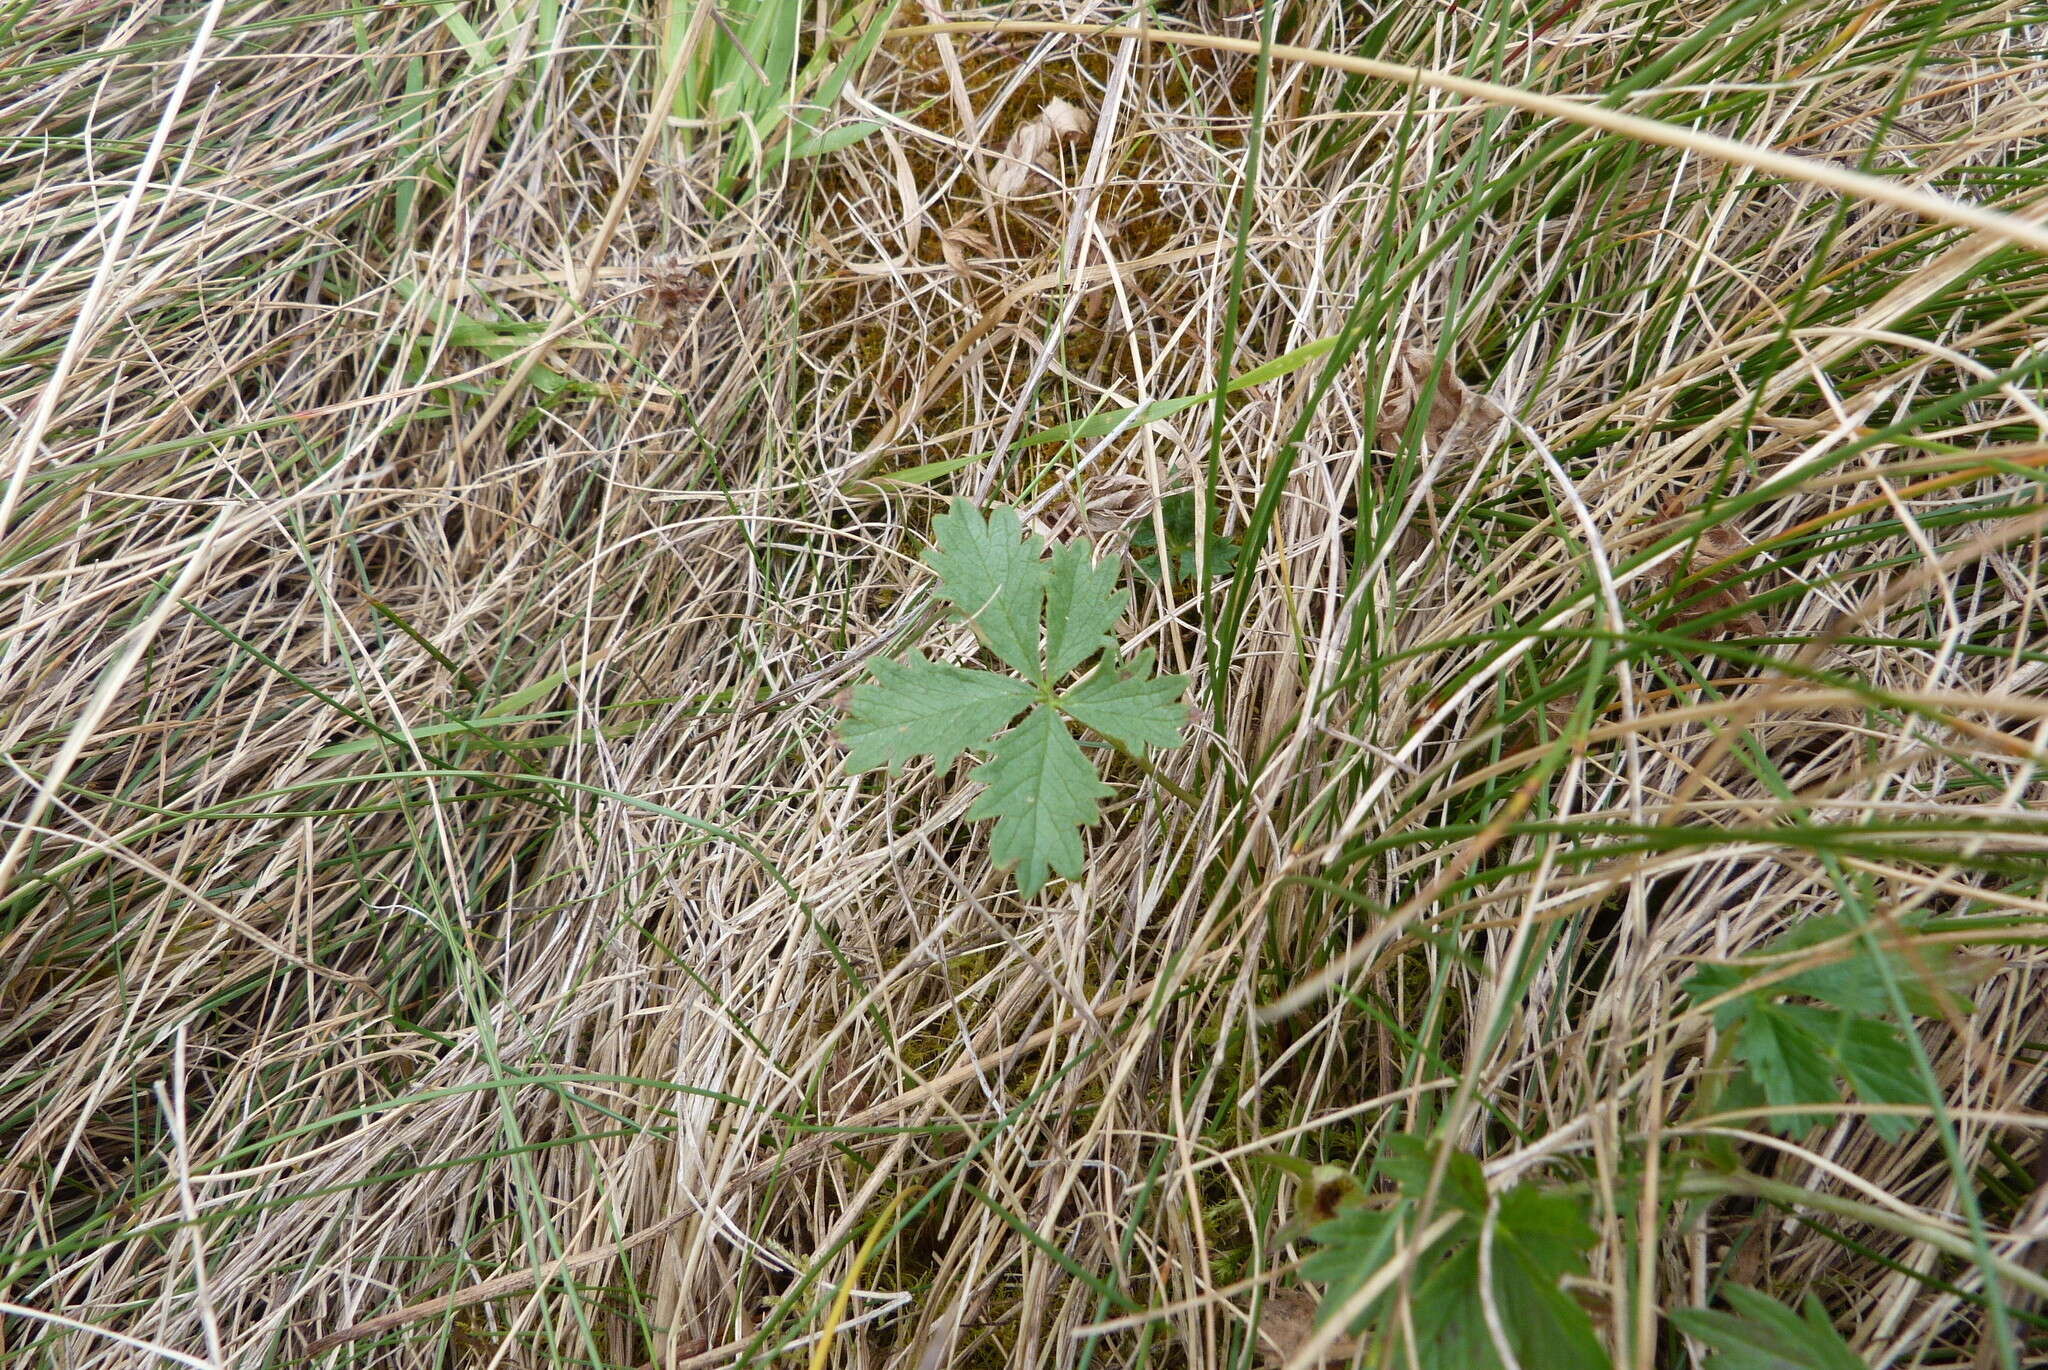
<point>1041,791</point>
<point>995,576</point>
<point>1409,1160</point>
<point>1879,1062</point>
<point>1860,981</point>
<point>1780,1045</point>
<point>1044,619</point>
<point>1539,1238</point>
<point>1130,706</point>
<point>927,708</point>
<point>1763,1334</point>
<point>1353,1247</point>
<point>1800,1053</point>
<point>1082,604</point>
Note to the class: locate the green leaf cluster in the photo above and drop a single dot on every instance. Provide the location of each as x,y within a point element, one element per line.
<point>1801,1038</point>
<point>1177,516</point>
<point>1044,618</point>
<point>1532,1238</point>
<point>1763,1334</point>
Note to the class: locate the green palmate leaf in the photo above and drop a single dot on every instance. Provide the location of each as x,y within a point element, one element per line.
<point>1800,1052</point>
<point>1082,604</point>
<point>1712,983</point>
<point>1409,1160</point>
<point>1538,1239</point>
<point>1856,983</point>
<point>1788,1058</point>
<point>1178,558</point>
<point>995,576</point>
<point>1879,1063</point>
<point>1763,1334</point>
<point>1131,707</point>
<point>927,708</point>
<point>1533,1239</point>
<point>1041,791</point>
<point>1449,1325</point>
<point>1860,981</point>
<point>1548,1230</point>
<point>1352,1248</point>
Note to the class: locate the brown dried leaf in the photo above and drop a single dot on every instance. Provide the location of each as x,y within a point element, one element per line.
<point>1287,1321</point>
<point>962,247</point>
<point>1065,120</point>
<point>1112,502</point>
<point>675,286</point>
<point>1714,563</point>
<point>1031,157</point>
<point>1458,414</point>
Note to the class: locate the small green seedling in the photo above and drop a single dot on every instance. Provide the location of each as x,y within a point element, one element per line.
<point>1509,1250</point>
<point>1044,619</point>
<point>1763,1334</point>
<point>1793,1053</point>
<point>1177,559</point>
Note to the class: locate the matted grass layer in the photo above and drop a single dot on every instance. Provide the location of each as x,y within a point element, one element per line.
<point>458,460</point>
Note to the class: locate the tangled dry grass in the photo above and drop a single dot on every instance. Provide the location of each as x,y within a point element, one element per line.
<point>443,517</point>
